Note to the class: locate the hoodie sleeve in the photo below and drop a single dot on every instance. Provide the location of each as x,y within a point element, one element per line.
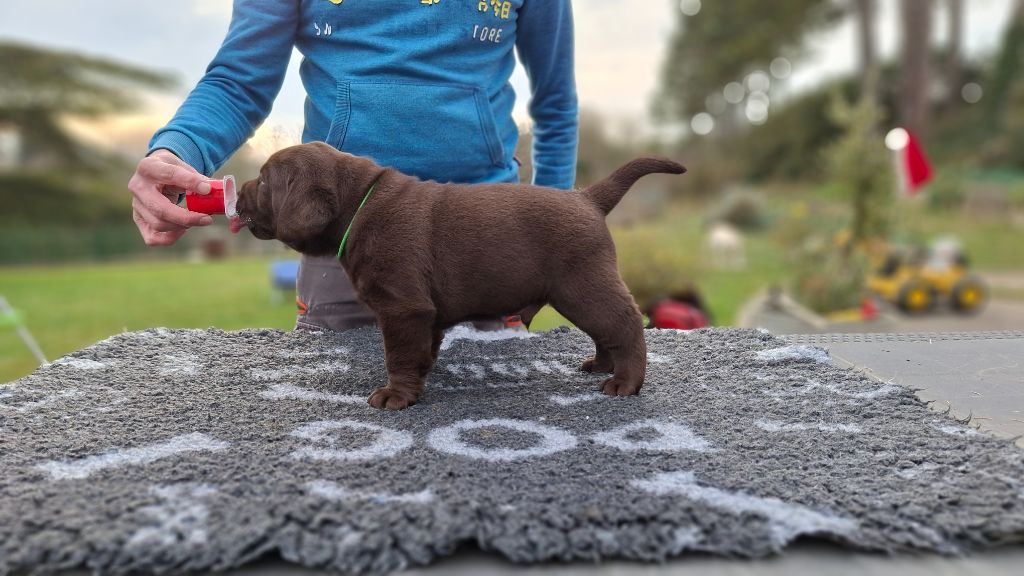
<point>544,41</point>
<point>235,95</point>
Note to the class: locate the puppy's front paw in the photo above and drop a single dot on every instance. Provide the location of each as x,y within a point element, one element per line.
<point>388,398</point>
<point>592,365</point>
<point>616,387</point>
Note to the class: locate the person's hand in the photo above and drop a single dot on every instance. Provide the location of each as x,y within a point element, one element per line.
<point>155,186</point>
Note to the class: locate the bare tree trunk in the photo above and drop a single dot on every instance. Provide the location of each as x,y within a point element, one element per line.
<point>954,62</point>
<point>997,90</point>
<point>866,27</point>
<point>917,34</point>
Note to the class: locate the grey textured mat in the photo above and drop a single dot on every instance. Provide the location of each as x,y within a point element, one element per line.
<point>164,450</point>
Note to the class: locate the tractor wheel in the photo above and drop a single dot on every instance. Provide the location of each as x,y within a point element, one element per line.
<point>969,295</point>
<point>916,297</point>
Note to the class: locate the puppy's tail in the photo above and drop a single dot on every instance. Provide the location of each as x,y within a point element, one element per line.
<point>607,193</point>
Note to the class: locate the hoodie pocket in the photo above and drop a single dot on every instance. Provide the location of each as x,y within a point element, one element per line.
<point>435,131</point>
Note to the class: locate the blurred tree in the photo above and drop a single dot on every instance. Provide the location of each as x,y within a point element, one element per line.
<point>829,274</point>
<point>867,25</point>
<point>790,145</point>
<point>1007,69</point>
<point>862,168</point>
<point>41,85</point>
<point>726,40</point>
<point>915,108</point>
<point>55,183</point>
<point>954,58</point>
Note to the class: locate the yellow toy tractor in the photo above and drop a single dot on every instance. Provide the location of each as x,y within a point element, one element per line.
<point>918,280</point>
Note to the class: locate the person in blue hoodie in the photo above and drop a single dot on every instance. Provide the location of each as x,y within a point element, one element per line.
<point>418,85</point>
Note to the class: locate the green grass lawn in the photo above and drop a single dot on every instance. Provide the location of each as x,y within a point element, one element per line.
<point>68,307</point>
<point>990,243</point>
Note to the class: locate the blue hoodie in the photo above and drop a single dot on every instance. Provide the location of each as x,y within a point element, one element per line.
<point>418,85</point>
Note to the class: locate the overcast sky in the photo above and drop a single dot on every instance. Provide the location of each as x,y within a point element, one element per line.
<point>620,46</point>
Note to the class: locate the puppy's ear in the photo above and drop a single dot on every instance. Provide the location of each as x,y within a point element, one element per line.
<point>305,213</point>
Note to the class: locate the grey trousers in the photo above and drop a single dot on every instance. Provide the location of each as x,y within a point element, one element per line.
<point>327,300</point>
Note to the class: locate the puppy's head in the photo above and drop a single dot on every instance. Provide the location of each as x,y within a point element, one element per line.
<point>303,196</point>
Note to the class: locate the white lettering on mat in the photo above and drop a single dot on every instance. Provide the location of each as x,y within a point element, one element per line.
<point>179,365</point>
<point>449,441</point>
<point>797,353</point>
<point>293,354</point>
<point>337,493</point>
<point>566,400</point>
<point>325,368</point>
<point>462,332</point>
<point>501,370</point>
<point>121,457</point>
<point>365,441</point>
<point>671,437</point>
<point>290,392</point>
<point>475,371</point>
<point>388,442</point>
<point>81,364</point>
<point>179,519</point>
<point>777,426</point>
<point>786,520</point>
<point>42,402</point>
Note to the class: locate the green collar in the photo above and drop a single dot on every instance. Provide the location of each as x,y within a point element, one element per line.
<point>344,239</point>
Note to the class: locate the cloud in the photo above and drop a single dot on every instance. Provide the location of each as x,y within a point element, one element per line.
<point>219,9</point>
<point>618,66</point>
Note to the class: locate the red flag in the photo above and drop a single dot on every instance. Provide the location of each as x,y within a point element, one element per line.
<point>914,165</point>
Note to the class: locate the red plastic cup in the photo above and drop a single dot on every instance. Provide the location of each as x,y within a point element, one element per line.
<point>221,199</point>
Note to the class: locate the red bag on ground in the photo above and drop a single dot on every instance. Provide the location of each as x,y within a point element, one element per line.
<point>677,315</point>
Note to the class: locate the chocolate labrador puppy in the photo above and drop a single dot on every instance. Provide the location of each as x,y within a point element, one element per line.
<point>425,256</point>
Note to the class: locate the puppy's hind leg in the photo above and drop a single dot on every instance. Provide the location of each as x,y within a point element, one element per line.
<point>408,345</point>
<point>610,317</point>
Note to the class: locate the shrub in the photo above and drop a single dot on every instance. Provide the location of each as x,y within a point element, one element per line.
<point>861,166</point>
<point>651,266</point>
<point>947,191</point>
<point>33,198</point>
<point>744,209</point>
<point>828,278</point>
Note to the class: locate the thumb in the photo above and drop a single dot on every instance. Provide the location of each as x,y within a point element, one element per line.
<point>167,174</point>
<point>202,188</point>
